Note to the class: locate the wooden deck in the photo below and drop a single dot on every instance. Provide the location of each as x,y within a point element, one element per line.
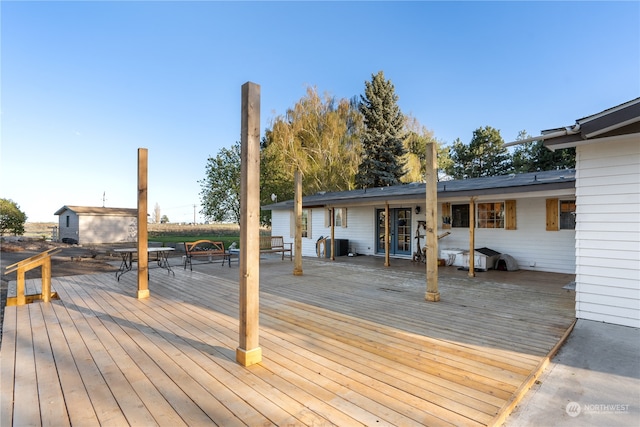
<point>347,343</point>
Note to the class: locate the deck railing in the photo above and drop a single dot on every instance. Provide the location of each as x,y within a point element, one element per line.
<point>43,260</point>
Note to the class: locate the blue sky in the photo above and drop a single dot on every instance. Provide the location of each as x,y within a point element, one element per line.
<point>85,84</point>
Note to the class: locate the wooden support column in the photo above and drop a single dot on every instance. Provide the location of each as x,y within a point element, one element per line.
<point>472,236</point>
<point>248,351</point>
<point>333,234</point>
<point>387,244</point>
<point>46,280</point>
<point>143,255</point>
<point>431,228</point>
<point>297,255</point>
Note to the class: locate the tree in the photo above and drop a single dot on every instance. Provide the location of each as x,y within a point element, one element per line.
<point>12,219</point>
<point>164,219</point>
<point>382,140</point>
<point>220,189</point>
<point>485,155</point>
<point>318,136</point>
<point>534,156</point>
<point>415,144</point>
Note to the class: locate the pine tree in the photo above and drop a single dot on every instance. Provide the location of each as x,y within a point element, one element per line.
<point>383,136</point>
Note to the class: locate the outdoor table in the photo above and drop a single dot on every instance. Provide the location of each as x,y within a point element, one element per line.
<point>162,254</point>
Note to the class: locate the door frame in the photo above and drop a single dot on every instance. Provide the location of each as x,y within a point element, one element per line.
<point>399,229</point>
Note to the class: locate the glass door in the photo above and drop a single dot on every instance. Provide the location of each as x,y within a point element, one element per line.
<point>399,231</point>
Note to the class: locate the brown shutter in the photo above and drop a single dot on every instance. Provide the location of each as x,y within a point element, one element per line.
<point>446,215</point>
<point>552,215</point>
<point>510,215</point>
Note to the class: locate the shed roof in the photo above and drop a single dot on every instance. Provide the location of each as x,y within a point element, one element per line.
<point>98,211</point>
<point>504,184</point>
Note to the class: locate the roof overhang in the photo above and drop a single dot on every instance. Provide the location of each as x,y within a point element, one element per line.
<point>619,121</point>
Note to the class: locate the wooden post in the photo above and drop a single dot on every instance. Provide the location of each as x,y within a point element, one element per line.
<point>248,351</point>
<point>472,236</point>
<point>431,226</point>
<point>21,299</point>
<point>333,234</point>
<point>297,256</point>
<point>46,280</point>
<point>143,255</point>
<point>387,245</point>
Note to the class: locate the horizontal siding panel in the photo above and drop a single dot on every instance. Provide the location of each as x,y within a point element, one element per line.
<point>608,300</point>
<point>614,282</point>
<point>586,208</point>
<point>602,167</point>
<point>618,179</point>
<point>619,264</point>
<point>632,293</point>
<point>609,227</point>
<point>586,196</point>
<point>596,271</point>
<point>599,317</point>
<point>601,236</point>
<point>608,254</point>
<point>608,217</point>
<point>615,245</point>
<point>609,310</point>
<point>608,189</point>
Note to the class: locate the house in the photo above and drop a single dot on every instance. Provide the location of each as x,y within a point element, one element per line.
<point>530,217</point>
<point>90,225</point>
<point>607,212</point>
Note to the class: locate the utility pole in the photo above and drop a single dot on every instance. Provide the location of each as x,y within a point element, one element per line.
<point>104,195</point>
<point>194,214</point>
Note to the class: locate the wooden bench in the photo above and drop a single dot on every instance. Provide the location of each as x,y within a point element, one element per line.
<point>205,249</point>
<point>274,244</point>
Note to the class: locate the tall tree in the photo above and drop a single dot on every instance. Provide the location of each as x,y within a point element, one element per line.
<point>220,189</point>
<point>382,140</point>
<point>485,155</point>
<point>12,219</point>
<point>534,156</point>
<point>318,136</point>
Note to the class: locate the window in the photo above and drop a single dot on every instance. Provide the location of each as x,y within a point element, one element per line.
<point>67,220</point>
<point>460,215</point>
<point>567,214</point>
<point>491,215</point>
<point>340,217</point>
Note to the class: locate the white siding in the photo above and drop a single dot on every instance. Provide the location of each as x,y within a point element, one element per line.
<point>608,232</point>
<point>107,229</point>
<point>70,232</point>
<point>530,244</point>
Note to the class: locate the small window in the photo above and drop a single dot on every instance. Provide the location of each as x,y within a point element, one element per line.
<point>67,220</point>
<point>460,216</point>
<point>567,214</point>
<point>491,215</point>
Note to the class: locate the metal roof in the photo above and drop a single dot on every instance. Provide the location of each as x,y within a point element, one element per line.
<point>91,210</point>
<point>503,184</point>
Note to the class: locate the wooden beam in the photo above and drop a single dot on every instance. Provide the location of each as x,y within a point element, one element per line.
<point>387,245</point>
<point>472,236</point>
<point>333,234</point>
<point>249,351</point>
<point>432,223</point>
<point>297,255</point>
<point>143,255</point>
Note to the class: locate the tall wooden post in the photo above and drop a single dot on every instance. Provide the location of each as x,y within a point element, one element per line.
<point>431,216</point>
<point>333,234</point>
<point>472,236</point>
<point>248,351</point>
<point>143,255</point>
<point>297,255</point>
<point>387,244</point>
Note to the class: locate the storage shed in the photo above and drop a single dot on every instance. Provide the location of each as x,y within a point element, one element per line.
<point>91,225</point>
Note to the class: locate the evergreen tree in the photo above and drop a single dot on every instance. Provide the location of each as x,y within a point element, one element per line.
<point>485,155</point>
<point>382,139</point>
<point>534,157</point>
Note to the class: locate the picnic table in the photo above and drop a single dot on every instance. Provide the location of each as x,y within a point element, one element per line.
<point>161,253</point>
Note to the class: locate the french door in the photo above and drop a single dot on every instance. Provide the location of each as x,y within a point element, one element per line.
<point>399,231</point>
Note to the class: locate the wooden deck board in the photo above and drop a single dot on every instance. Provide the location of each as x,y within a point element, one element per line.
<point>345,344</point>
